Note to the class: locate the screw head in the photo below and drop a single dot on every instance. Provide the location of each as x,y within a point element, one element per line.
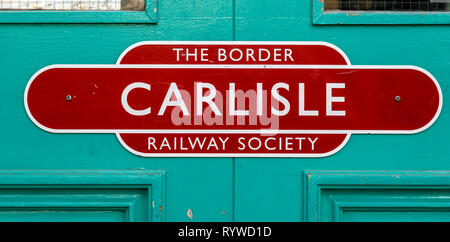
<point>397,98</point>
<point>68,98</point>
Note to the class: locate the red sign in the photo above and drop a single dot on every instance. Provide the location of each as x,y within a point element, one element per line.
<point>296,99</point>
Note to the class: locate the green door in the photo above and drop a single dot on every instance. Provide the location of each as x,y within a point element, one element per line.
<point>91,177</point>
<point>374,177</point>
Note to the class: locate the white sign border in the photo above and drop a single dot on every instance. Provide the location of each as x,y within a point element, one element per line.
<point>242,131</point>
<point>263,43</point>
<point>252,66</point>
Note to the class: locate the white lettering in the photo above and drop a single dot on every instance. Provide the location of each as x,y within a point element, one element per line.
<point>330,99</point>
<point>173,89</point>
<point>124,99</point>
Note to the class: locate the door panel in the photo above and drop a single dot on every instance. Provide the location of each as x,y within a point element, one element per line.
<point>61,215</point>
<point>377,196</point>
<point>82,195</point>
<point>203,185</point>
<point>398,215</point>
<point>279,196</point>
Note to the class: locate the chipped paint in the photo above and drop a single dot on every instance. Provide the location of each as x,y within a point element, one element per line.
<point>190,214</point>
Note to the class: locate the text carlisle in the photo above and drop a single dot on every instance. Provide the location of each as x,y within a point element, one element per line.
<point>233,99</point>
<point>207,98</point>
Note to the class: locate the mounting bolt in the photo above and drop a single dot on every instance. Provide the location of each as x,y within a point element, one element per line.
<point>68,98</point>
<point>397,98</point>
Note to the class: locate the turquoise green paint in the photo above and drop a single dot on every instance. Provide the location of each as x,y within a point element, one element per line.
<point>57,215</point>
<point>203,185</point>
<point>376,196</point>
<point>320,16</point>
<point>131,195</point>
<point>400,215</point>
<point>221,189</point>
<point>149,15</point>
<point>273,189</point>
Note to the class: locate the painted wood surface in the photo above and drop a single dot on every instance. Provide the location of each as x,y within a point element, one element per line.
<point>222,189</point>
<point>273,189</point>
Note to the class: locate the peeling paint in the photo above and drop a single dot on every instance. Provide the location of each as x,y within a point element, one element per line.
<point>190,214</point>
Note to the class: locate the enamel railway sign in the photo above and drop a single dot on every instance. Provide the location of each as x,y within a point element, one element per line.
<point>233,99</point>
